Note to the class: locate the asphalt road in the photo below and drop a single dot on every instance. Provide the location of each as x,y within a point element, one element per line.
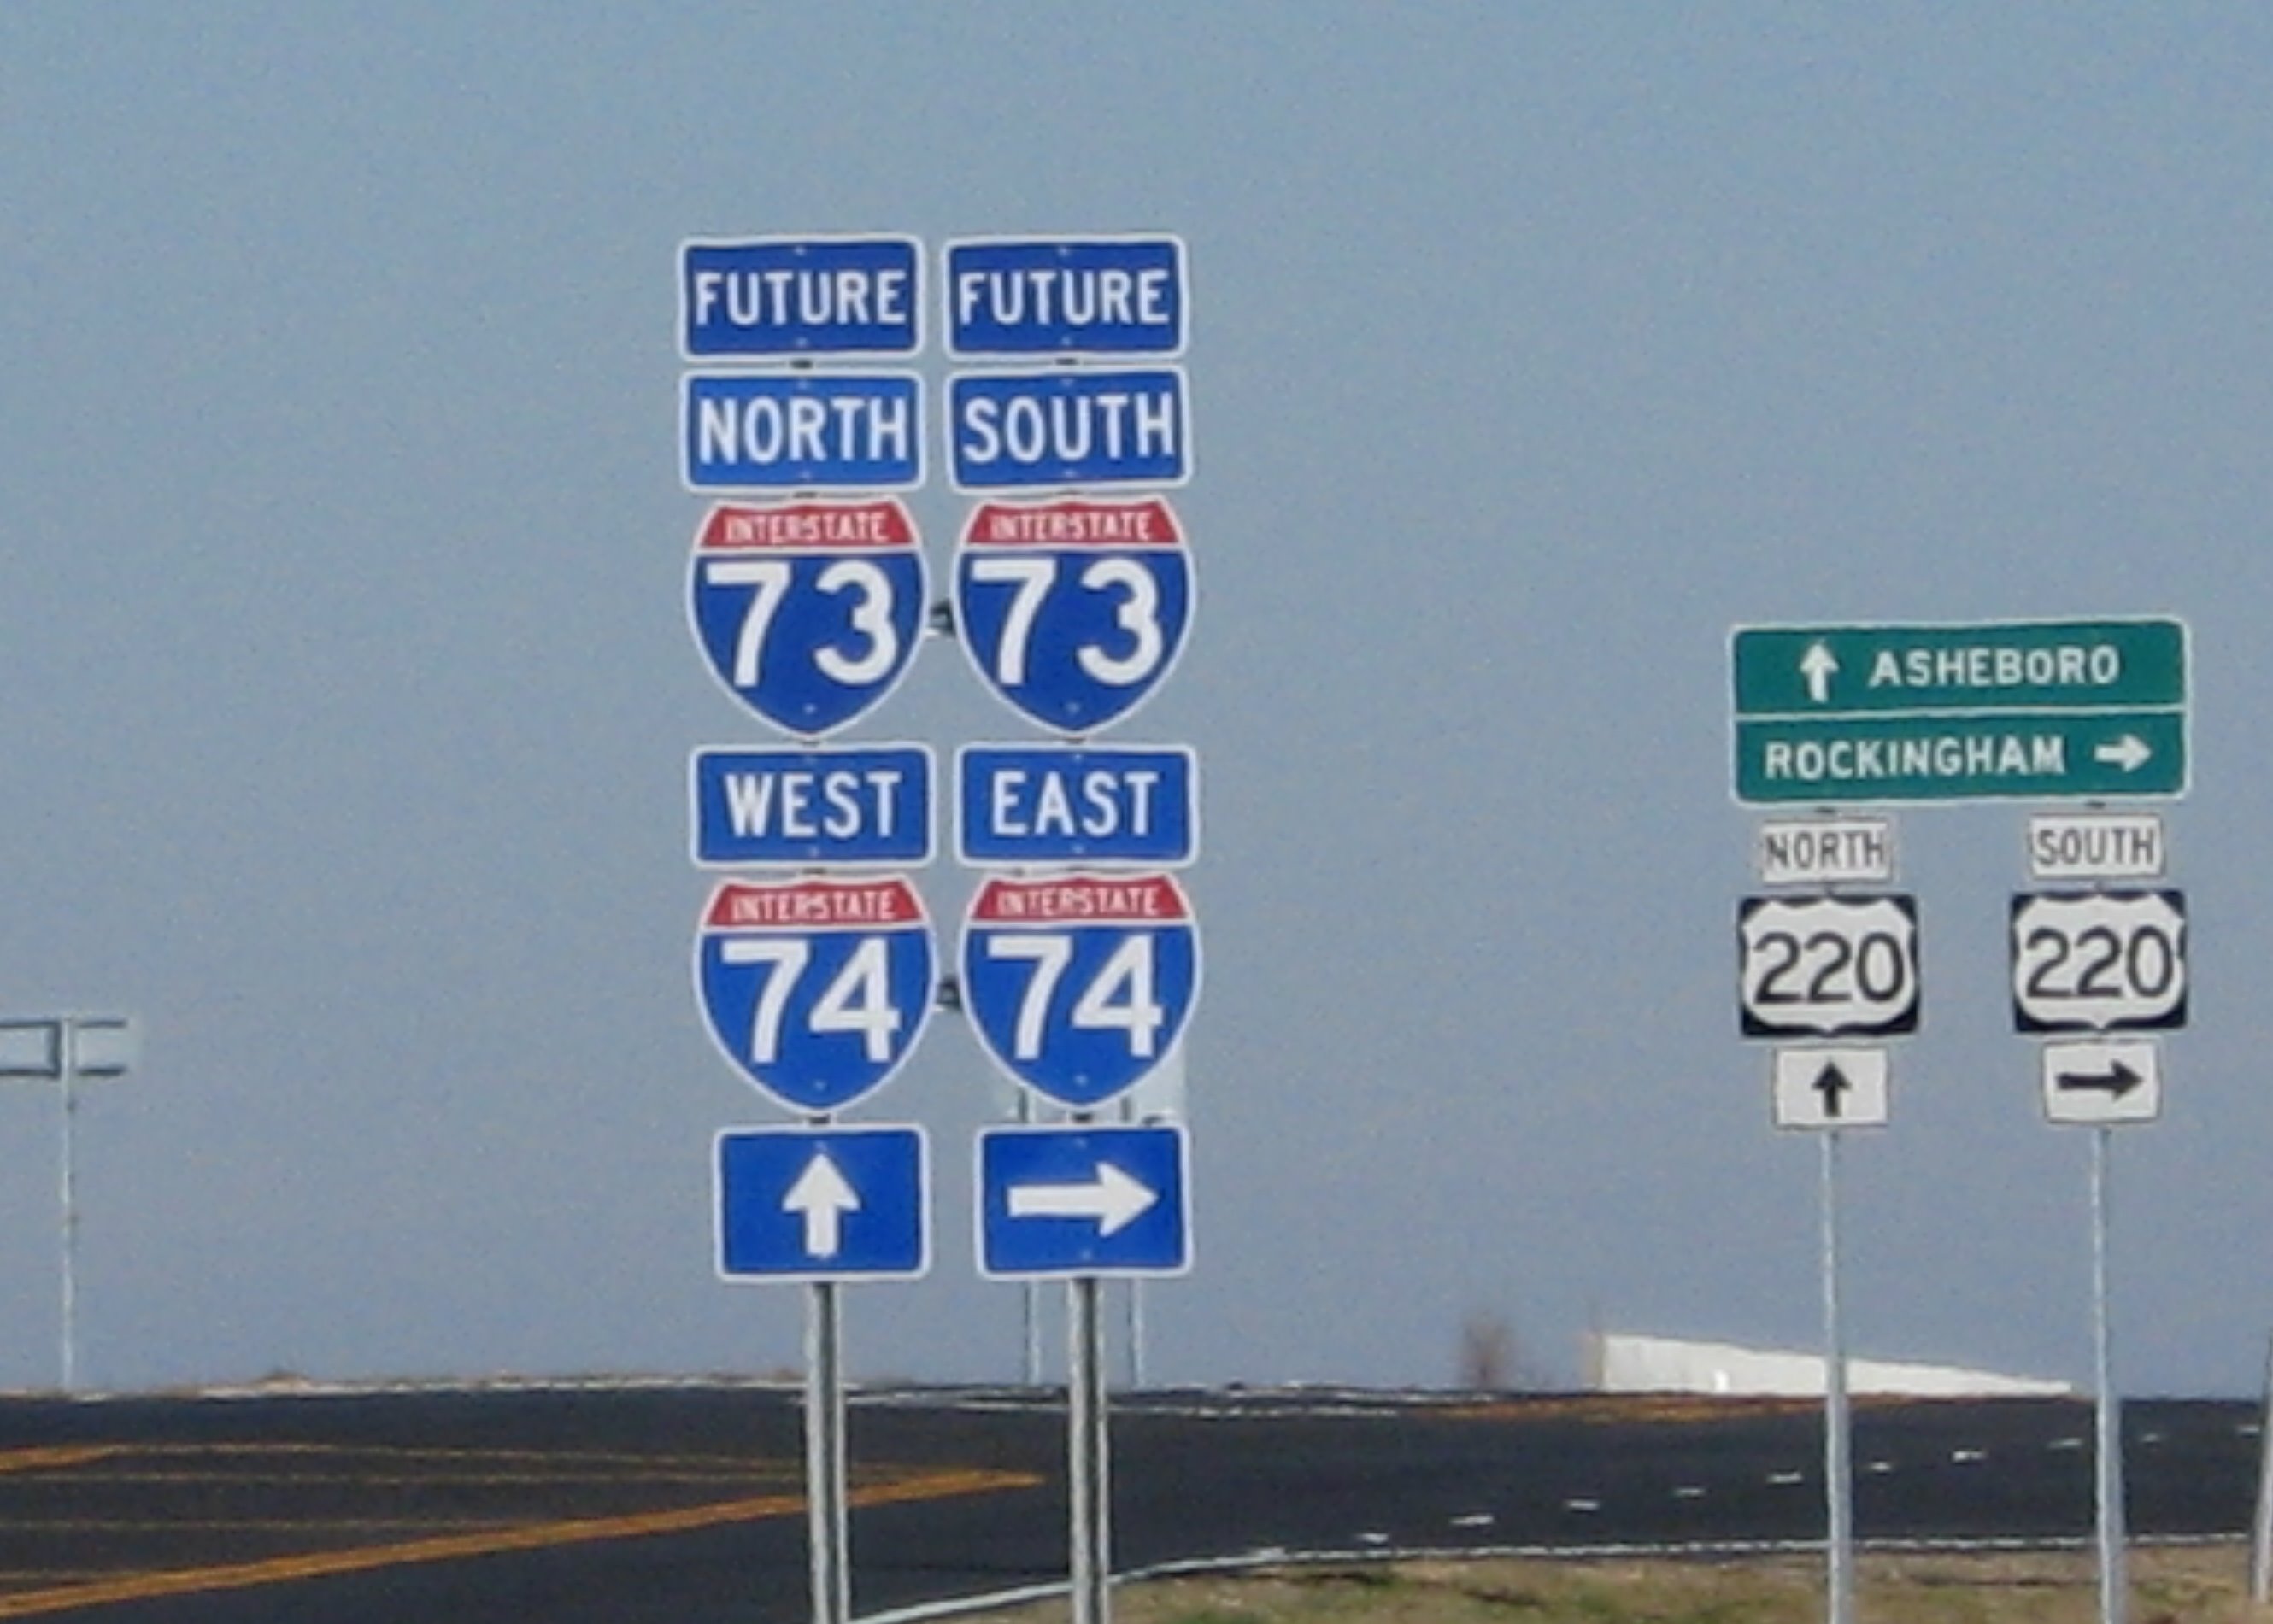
<point>684,1504</point>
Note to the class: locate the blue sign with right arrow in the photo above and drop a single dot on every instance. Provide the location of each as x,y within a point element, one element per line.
<point>1057,1202</point>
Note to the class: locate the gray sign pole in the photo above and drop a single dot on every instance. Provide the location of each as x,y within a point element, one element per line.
<point>1838,1475</point>
<point>2108,1477</point>
<point>1088,1466</point>
<point>824,1453</point>
<point>68,1207</point>
<point>2261,1539</point>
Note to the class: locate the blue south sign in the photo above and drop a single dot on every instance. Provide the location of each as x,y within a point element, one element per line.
<point>779,298</point>
<point>807,612</point>
<point>1080,985</point>
<point>815,989</point>
<point>801,431</point>
<point>1073,611</point>
<point>1062,428</point>
<point>1065,298</point>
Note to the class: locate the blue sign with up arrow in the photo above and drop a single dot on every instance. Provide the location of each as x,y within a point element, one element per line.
<point>834,1203</point>
<point>1059,1203</point>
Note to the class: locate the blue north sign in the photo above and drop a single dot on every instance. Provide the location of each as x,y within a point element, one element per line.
<point>801,431</point>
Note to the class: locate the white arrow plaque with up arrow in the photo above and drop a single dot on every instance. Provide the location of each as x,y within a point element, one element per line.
<point>1830,1088</point>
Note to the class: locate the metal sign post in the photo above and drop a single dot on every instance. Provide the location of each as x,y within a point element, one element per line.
<point>2107,1480</point>
<point>825,1454</point>
<point>1088,1468</point>
<point>1838,1474</point>
<point>64,1049</point>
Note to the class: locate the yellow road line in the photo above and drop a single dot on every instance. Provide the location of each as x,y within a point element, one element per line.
<point>51,1457</point>
<point>455,1548</point>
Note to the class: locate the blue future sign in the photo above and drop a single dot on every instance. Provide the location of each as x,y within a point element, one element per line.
<point>867,806</point>
<point>815,989</point>
<point>1067,427</point>
<point>1021,805</point>
<point>807,612</point>
<point>801,431</point>
<point>1080,985</point>
<point>1057,1202</point>
<point>1073,611</point>
<point>1065,298</point>
<point>834,1203</point>
<point>779,298</point>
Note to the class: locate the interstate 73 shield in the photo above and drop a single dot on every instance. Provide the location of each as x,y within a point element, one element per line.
<point>1073,611</point>
<point>1079,984</point>
<point>816,989</point>
<point>809,613</point>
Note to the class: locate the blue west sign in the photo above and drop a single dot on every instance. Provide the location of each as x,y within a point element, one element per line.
<point>844,806</point>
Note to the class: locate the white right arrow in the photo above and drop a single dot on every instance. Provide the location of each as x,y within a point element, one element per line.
<point>1819,665</point>
<point>822,1197</point>
<point>2129,752</point>
<point>1113,1198</point>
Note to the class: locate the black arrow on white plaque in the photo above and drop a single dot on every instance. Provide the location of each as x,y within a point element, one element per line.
<point>1832,1084</point>
<point>2116,1081</point>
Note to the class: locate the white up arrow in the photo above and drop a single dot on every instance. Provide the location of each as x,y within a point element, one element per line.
<point>1113,1198</point>
<point>2129,752</point>
<point>822,1197</point>
<point>1819,665</point>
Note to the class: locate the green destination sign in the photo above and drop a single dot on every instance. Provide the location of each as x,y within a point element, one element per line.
<point>2022,710</point>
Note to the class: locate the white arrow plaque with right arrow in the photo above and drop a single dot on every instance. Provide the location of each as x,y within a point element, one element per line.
<point>2102,1081</point>
<point>1830,1088</point>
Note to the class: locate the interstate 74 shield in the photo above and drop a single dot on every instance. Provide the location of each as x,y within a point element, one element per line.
<point>1073,611</point>
<point>809,613</point>
<point>816,989</point>
<point>1079,984</point>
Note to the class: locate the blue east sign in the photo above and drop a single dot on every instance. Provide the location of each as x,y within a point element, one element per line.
<point>1066,297</point>
<point>780,298</point>
<point>1067,427</point>
<point>1035,805</point>
<point>844,806</point>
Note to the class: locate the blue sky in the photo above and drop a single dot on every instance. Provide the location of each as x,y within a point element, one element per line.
<point>348,689</point>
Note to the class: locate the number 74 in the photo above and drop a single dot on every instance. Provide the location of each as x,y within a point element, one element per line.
<point>1119,998</point>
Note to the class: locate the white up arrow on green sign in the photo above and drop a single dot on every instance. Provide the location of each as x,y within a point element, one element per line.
<point>2012,710</point>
